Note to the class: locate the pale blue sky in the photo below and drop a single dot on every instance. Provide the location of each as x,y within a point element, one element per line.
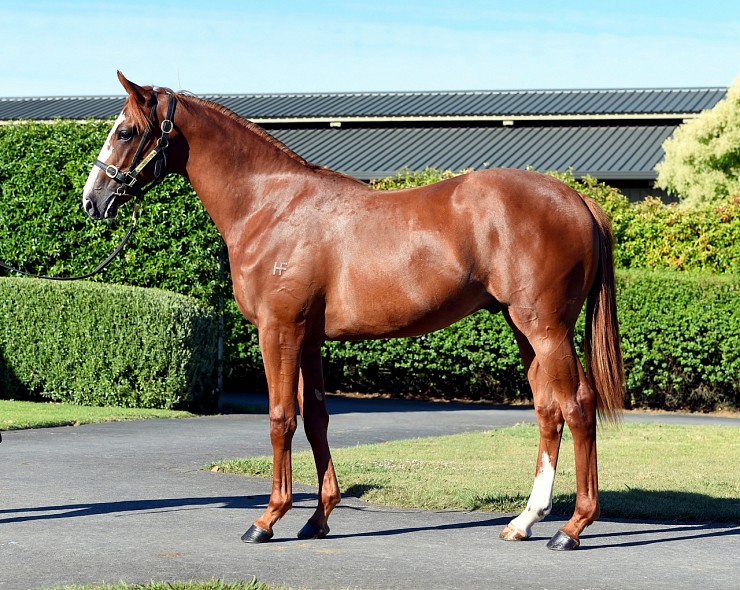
<point>74,47</point>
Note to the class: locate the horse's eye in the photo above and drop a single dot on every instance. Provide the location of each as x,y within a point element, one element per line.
<point>125,134</point>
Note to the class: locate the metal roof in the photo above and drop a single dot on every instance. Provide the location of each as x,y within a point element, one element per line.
<point>606,152</point>
<point>394,105</point>
<point>611,134</point>
<point>473,104</point>
<point>42,109</point>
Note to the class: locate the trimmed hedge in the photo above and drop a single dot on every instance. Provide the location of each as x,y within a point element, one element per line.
<point>106,345</point>
<point>681,339</point>
<point>112,345</point>
<point>680,336</point>
<point>43,168</point>
<point>475,358</point>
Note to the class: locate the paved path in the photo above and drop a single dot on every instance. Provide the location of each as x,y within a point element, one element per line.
<point>130,501</point>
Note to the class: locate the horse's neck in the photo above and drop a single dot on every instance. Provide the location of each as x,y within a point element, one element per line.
<point>232,167</point>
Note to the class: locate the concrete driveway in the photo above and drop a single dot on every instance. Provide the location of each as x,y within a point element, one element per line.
<point>131,502</point>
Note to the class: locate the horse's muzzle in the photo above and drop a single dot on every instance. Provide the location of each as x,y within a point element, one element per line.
<point>108,210</point>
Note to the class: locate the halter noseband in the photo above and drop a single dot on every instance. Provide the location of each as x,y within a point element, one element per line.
<point>128,179</point>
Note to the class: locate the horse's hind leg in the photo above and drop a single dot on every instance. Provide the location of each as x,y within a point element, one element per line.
<point>579,410</point>
<point>312,400</point>
<point>550,421</point>
<point>561,392</point>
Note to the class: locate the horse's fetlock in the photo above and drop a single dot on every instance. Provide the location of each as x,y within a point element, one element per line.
<point>588,510</point>
<point>332,500</point>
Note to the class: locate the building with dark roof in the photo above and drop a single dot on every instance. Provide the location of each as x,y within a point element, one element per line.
<point>613,135</point>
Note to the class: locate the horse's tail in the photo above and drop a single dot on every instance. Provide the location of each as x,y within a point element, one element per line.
<point>602,349</point>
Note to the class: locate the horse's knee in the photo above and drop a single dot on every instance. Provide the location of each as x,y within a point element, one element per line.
<point>282,425</point>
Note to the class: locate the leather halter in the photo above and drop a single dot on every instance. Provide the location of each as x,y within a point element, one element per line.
<point>158,153</point>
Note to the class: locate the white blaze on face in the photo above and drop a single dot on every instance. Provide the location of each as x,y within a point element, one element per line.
<point>104,156</point>
<point>540,500</point>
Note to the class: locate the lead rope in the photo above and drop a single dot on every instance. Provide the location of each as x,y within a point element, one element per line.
<point>97,269</point>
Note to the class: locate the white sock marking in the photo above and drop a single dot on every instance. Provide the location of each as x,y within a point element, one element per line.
<point>540,500</point>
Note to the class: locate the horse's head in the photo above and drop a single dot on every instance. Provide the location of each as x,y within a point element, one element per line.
<point>134,154</point>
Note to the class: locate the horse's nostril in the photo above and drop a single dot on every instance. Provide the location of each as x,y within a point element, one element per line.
<point>90,208</point>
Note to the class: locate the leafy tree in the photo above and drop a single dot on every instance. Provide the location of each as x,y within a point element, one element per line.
<point>702,158</point>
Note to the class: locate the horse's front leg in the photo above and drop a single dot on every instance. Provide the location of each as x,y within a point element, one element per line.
<point>312,401</point>
<point>281,352</point>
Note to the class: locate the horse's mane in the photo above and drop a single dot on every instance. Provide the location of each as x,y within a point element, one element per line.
<point>260,132</point>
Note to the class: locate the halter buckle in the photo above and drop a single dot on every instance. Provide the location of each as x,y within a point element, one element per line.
<point>111,171</point>
<point>167,126</point>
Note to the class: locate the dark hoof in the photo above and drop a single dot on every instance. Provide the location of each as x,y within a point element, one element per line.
<point>562,542</point>
<point>256,534</point>
<point>311,531</point>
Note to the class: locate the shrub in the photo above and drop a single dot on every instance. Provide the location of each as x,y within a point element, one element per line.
<point>651,235</point>
<point>176,246</point>
<point>43,168</point>
<point>94,344</point>
<point>410,178</point>
<point>681,339</point>
<point>476,358</point>
<point>702,157</point>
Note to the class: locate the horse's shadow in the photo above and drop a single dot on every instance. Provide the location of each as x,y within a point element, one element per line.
<point>654,531</point>
<point>670,533</point>
<point>123,507</point>
<point>621,537</point>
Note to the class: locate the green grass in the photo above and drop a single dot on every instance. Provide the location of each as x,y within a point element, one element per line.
<point>210,585</point>
<point>16,415</point>
<point>646,471</point>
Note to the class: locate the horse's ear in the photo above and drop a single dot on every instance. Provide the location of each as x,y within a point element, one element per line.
<point>134,90</point>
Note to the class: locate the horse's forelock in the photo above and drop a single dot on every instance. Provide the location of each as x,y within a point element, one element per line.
<point>138,113</point>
